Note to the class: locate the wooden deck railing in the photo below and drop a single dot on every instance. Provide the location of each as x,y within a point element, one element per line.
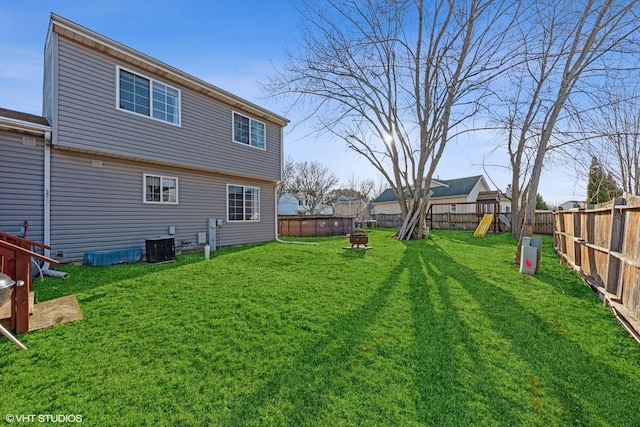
<point>15,261</point>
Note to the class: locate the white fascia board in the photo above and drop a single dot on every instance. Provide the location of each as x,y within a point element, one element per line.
<point>22,126</point>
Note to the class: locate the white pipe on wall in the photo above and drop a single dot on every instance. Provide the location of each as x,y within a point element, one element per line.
<point>47,196</point>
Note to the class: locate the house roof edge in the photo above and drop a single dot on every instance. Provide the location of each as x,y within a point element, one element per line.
<point>80,34</point>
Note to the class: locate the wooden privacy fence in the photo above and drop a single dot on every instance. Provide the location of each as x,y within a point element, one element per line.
<point>454,221</point>
<point>308,226</point>
<point>466,221</point>
<point>603,245</point>
<point>388,220</point>
<point>544,223</point>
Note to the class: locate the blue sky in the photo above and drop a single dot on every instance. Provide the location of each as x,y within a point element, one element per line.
<point>231,44</point>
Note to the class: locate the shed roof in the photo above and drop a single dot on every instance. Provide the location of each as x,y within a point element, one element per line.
<point>23,117</point>
<point>23,122</point>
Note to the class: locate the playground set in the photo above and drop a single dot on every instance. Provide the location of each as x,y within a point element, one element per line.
<point>487,212</point>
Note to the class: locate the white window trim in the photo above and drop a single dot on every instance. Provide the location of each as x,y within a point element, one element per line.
<point>151,80</point>
<point>259,208</point>
<point>144,189</point>
<point>233,131</point>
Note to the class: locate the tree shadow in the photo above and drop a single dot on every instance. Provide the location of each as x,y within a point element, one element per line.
<point>558,370</point>
<point>85,279</point>
<point>443,357</point>
<point>316,371</point>
<point>447,356</point>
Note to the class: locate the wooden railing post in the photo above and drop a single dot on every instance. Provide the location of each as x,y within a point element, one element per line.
<point>616,239</point>
<point>20,319</point>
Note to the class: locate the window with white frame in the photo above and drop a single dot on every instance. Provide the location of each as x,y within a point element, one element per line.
<point>243,203</point>
<point>248,131</point>
<point>160,189</point>
<point>148,97</point>
<point>453,208</point>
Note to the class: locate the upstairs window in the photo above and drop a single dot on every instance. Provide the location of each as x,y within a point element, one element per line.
<point>248,131</point>
<point>160,189</point>
<point>243,203</point>
<point>148,97</point>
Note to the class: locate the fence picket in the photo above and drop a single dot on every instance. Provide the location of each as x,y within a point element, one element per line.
<point>602,246</point>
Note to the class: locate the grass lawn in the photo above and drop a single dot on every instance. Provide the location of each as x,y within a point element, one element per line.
<point>438,332</point>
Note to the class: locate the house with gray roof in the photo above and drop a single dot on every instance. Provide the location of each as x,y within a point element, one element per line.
<point>449,195</point>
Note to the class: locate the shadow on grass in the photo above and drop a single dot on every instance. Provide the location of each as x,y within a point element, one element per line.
<point>542,377</point>
<point>446,355</point>
<point>564,382</point>
<point>455,381</point>
<point>440,334</point>
<point>316,372</point>
<point>354,253</point>
<point>86,278</point>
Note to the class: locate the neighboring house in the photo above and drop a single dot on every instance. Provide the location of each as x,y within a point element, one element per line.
<point>295,204</point>
<point>571,204</point>
<point>131,148</point>
<point>289,204</point>
<point>449,195</point>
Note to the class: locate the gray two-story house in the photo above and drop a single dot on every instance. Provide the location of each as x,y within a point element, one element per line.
<point>133,148</point>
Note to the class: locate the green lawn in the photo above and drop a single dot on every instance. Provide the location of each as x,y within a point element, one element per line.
<point>438,332</point>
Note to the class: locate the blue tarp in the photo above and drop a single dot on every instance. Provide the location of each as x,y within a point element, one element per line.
<point>119,256</point>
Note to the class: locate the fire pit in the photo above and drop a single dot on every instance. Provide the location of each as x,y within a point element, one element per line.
<point>358,237</point>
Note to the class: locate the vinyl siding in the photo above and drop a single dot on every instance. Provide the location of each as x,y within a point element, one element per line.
<point>460,208</point>
<point>89,120</point>
<point>48,79</point>
<point>101,208</point>
<point>473,195</point>
<point>21,184</point>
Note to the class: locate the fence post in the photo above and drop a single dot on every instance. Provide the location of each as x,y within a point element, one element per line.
<point>616,239</point>
<point>562,238</point>
<point>577,239</point>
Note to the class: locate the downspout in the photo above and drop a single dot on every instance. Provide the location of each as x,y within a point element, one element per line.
<point>50,138</point>
<point>275,198</point>
<point>47,193</point>
<point>45,271</point>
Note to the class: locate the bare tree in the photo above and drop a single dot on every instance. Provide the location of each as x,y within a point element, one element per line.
<point>397,80</point>
<point>613,129</point>
<point>288,173</point>
<point>380,186</point>
<point>363,188</point>
<point>566,46</point>
<point>518,116</point>
<point>312,181</point>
